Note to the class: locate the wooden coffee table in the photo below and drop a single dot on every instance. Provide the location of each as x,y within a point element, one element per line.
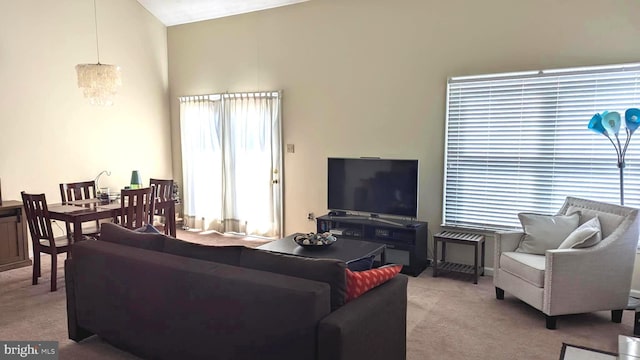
<point>343,249</point>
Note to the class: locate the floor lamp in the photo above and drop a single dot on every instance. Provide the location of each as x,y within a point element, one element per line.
<point>608,124</point>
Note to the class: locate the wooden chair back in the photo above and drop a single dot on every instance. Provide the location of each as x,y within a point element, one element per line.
<point>78,191</point>
<point>164,189</point>
<point>42,237</point>
<point>165,205</point>
<point>38,219</point>
<point>137,207</point>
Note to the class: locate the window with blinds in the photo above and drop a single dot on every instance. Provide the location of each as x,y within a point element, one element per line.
<point>519,142</point>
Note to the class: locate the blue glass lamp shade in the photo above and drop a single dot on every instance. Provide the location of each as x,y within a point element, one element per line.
<point>611,122</point>
<point>608,124</point>
<point>632,119</point>
<point>596,125</point>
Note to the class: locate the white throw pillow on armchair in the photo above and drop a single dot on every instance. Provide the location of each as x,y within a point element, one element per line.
<point>545,232</point>
<point>586,235</point>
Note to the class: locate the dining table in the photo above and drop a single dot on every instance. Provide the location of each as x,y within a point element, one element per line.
<point>79,211</point>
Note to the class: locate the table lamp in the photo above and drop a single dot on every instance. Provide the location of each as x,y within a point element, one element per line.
<point>136,183</point>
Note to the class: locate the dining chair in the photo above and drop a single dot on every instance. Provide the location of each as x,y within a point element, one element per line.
<point>43,240</point>
<point>163,188</point>
<point>80,191</point>
<point>137,207</point>
<point>165,205</point>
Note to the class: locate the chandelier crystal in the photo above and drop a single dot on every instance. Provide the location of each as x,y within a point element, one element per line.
<point>99,82</point>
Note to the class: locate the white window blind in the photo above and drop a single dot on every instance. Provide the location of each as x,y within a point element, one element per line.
<point>519,142</point>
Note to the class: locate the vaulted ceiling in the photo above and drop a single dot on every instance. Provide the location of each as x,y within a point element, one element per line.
<point>176,12</point>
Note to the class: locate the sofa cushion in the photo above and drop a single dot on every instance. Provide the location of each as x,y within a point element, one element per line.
<point>362,264</point>
<point>329,271</point>
<point>586,235</point>
<point>528,267</point>
<point>359,282</point>
<point>229,255</point>
<point>120,235</point>
<point>545,232</point>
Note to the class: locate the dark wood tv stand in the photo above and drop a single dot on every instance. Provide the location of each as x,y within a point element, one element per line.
<point>406,240</point>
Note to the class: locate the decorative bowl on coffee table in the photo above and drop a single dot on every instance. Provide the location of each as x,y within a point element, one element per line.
<point>315,241</point>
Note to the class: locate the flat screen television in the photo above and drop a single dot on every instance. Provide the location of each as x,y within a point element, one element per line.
<point>372,185</point>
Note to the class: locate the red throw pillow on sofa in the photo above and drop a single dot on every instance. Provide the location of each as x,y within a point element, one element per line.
<point>359,282</point>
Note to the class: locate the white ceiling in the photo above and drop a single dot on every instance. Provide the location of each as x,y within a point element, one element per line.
<point>176,12</point>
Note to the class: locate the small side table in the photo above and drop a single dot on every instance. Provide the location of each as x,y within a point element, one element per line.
<point>458,238</point>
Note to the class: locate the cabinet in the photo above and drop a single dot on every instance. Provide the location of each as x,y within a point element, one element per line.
<point>406,240</point>
<point>14,250</point>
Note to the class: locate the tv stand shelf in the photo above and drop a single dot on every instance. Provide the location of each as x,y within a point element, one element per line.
<point>406,240</point>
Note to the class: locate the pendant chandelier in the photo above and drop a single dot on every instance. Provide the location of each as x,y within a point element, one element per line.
<point>99,82</point>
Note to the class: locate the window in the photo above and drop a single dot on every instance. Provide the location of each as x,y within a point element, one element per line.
<point>519,142</point>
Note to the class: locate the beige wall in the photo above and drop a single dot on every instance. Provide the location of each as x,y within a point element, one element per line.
<point>368,77</point>
<point>48,131</point>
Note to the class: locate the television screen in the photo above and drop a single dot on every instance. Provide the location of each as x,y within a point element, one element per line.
<point>377,186</point>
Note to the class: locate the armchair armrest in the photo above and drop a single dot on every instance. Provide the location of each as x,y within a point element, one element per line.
<point>507,241</point>
<point>600,276</point>
<point>370,327</point>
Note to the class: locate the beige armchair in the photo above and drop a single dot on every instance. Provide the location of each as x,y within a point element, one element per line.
<point>572,281</point>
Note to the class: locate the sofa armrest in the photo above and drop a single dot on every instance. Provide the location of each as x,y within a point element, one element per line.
<point>76,332</point>
<point>370,327</point>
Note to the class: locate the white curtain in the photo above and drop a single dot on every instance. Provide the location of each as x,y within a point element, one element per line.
<point>201,130</point>
<point>231,153</point>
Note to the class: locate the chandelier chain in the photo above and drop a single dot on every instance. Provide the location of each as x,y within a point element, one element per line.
<point>95,18</point>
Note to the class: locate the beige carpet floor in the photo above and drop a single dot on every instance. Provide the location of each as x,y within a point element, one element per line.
<point>448,318</point>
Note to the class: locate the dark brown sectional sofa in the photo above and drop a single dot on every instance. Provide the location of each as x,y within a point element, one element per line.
<point>162,298</point>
